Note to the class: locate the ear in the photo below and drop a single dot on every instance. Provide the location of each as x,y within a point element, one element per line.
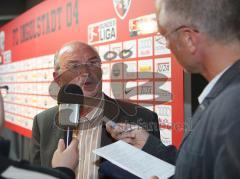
<point>190,40</point>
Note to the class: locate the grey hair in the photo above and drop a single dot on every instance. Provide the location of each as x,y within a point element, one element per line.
<point>218,19</point>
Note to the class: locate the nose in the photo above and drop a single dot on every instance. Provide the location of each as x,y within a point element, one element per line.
<point>83,70</point>
<point>80,78</point>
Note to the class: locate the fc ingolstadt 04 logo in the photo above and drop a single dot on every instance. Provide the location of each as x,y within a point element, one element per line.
<point>121,7</point>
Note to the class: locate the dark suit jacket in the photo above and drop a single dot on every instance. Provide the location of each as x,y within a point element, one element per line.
<point>211,149</point>
<point>45,134</point>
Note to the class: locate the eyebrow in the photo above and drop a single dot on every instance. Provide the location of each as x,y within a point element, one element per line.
<point>94,58</point>
<point>90,59</point>
<point>74,61</point>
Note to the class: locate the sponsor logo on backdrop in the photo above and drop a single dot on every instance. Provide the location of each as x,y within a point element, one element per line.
<point>121,7</point>
<point>124,54</point>
<point>145,68</point>
<point>145,47</point>
<point>166,136</point>
<point>130,49</point>
<point>130,70</point>
<point>160,45</point>
<point>163,67</point>
<point>164,113</point>
<point>146,90</point>
<point>143,25</point>
<point>116,72</point>
<point>104,31</point>
<point>128,90</point>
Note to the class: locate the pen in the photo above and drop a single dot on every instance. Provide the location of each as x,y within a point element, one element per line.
<point>110,122</point>
<point>114,124</point>
<point>131,129</point>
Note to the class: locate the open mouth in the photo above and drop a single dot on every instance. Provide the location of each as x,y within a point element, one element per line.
<point>88,85</point>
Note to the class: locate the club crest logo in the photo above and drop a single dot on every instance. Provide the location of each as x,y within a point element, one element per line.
<point>121,7</point>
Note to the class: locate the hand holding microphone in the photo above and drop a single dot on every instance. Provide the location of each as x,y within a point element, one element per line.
<point>69,99</point>
<point>66,157</point>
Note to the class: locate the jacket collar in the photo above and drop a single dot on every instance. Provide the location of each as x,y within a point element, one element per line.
<point>221,84</point>
<point>225,80</point>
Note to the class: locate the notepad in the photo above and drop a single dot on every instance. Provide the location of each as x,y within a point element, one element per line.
<point>135,160</point>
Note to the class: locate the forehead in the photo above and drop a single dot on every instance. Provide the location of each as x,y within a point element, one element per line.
<point>79,54</point>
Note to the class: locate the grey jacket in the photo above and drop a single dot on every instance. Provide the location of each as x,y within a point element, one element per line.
<point>211,149</point>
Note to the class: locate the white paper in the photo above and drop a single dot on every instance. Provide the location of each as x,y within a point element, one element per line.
<point>135,160</point>
<point>17,173</point>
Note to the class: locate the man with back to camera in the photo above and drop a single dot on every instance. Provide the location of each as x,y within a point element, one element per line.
<point>205,38</point>
<point>79,63</point>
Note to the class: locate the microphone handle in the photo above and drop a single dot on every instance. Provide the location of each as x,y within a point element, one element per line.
<point>68,137</point>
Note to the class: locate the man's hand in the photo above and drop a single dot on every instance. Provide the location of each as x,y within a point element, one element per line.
<point>66,157</point>
<point>132,134</point>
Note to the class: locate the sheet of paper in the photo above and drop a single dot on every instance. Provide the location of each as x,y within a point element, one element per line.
<point>16,173</point>
<point>135,160</point>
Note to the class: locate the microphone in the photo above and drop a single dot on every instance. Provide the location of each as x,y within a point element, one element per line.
<point>4,87</point>
<point>69,99</point>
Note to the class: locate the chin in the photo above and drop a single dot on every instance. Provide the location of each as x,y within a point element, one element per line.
<point>90,93</point>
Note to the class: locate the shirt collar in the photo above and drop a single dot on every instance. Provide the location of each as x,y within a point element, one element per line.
<point>97,110</point>
<point>210,86</point>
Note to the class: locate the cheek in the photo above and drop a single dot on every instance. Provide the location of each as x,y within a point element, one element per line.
<point>100,74</point>
<point>67,78</point>
<point>97,74</point>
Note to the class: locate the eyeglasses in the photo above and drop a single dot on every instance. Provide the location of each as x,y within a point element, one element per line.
<point>77,67</point>
<point>173,31</point>
<point>164,38</point>
<point>4,90</point>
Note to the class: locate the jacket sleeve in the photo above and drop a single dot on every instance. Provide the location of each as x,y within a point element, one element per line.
<point>155,147</point>
<point>149,121</point>
<point>35,143</point>
<point>155,126</point>
<point>227,164</point>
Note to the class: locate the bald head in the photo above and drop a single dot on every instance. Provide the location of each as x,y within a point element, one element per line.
<point>78,63</point>
<point>71,48</point>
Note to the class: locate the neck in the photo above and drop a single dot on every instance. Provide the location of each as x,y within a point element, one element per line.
<point>217,58</point>
<point>91,102</point>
